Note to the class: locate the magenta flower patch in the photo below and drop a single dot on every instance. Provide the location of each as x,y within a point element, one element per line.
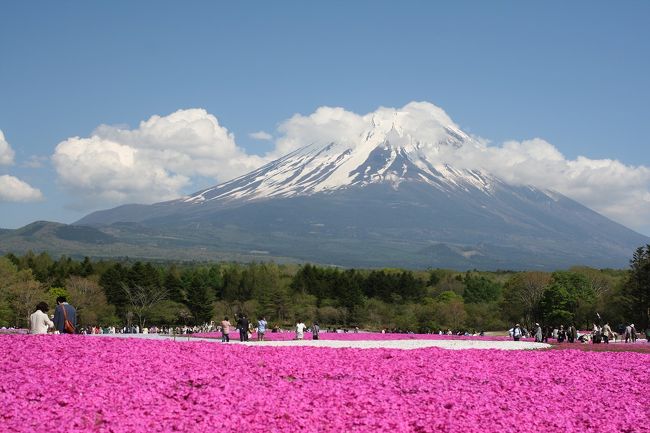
<point>80,384</point>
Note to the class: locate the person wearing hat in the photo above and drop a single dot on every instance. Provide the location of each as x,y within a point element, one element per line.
<point>538,333</point>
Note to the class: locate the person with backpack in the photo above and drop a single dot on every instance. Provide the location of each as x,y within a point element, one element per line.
<point>65,316</point>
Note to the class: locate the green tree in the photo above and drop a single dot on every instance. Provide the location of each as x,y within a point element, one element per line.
<point>142,300</point>
<point>522,295</point>
<point>112,282</point>
<point>19,294</point>
<point>479,289</point>
<point>450,310</point>
<point>569,298</point>
<point>484,317</point>
<point>556,305</point>
<point>636,290</point>
<point>168,312</point>
<point>90,301</point>
<point>173,285</point>
<point>200,296</point>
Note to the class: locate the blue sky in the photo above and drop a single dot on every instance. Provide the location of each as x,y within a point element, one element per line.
<point>574,74</point>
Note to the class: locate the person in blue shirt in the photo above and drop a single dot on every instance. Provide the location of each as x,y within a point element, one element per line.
<point>63,312</point>
<point>261,328</point>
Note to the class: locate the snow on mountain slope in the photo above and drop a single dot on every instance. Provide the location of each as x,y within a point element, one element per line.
<point>387,152</point>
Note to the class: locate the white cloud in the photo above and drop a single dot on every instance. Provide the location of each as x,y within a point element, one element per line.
<point>151,163</point>
<point>6,152</point>
<point>261,135</point>
<point>14,189</point>
<point>617,190</point>
<point>608,186</point>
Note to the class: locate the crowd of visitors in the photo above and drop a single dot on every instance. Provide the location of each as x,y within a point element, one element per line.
<point>64,321</point>
<point>598,334</point>
<point>246,328</point>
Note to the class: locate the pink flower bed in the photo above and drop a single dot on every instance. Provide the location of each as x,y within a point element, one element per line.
<point>352,336</point>
<point>59,383</point>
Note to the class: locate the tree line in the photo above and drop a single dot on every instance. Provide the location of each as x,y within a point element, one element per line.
<point>111,292</point>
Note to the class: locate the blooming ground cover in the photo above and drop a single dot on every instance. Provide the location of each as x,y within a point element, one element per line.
<point>62,383</point>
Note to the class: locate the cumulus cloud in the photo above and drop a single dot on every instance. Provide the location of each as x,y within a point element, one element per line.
<point>6,152</point>
<point>617,190</point>
<point>608,186</point>
<point>152,162</point>
<point>14,189</point>
<point>261,135</point>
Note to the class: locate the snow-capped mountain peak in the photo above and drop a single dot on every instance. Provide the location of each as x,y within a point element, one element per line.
<point>390,150</point>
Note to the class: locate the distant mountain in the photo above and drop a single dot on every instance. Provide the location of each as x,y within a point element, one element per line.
<point>384,200</point>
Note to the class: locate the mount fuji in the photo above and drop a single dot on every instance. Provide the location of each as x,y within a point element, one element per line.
<point>388,197</point>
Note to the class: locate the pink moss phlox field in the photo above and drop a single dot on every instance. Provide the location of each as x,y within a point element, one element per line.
<point>58,383</point>
<point>354,336</point>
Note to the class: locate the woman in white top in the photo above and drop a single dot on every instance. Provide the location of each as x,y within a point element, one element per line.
<point>300,330</point>
<point>39,322</point>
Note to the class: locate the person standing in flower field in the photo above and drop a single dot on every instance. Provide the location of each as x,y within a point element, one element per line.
<point>572,333</point>
<point>242,325</point>
<point>538,333</point>
<point>65,316</point>
<point>39,322</point>
<point>517,332</point>
<point>261,328</point>
<point>225,330</point>
<point>315,330</point>
<point>300,330</point>
<point>628,333</point>
<point>607,333</point>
